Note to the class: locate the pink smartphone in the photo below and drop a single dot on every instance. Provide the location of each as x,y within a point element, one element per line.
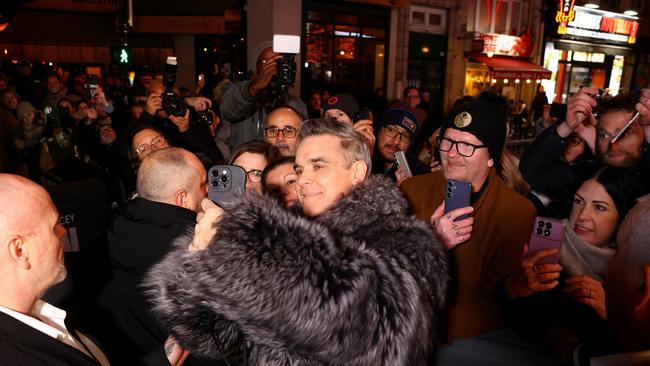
<point>547,233</point>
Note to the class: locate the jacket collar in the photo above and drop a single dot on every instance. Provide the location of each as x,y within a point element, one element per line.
<point>161,214</point>
<point>371,201</point>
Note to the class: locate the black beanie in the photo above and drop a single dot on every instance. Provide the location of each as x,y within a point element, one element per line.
<point>487,121</point>
<point>344,102</point>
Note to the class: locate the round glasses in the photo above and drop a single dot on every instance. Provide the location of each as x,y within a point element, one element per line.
<point>254,175</point>
<point>463,148</point>
<point>391,132</point>
<point>155,143</point>
<point>288,131</point>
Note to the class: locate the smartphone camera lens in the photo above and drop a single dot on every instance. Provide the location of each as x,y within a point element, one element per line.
<point>540,223</point>
<point>547,232</point>
<point>548,225</point>
<point>449,189</point>
<point>448,195</point>
<point>539,231</point>
<point>223,178</point>
<point>214,184</point>
<point>215,174</point>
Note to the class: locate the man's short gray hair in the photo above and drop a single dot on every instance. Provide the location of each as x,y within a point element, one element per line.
<point>633,241</point>
<point>162,173</point>
<point>353,144</point>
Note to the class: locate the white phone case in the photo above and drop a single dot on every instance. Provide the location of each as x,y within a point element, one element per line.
<point>400,157</point>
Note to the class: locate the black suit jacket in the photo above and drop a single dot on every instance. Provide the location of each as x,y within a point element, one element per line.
<point>22,345</point>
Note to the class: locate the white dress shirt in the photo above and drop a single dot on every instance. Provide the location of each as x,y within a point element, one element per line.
<point>50,320</point>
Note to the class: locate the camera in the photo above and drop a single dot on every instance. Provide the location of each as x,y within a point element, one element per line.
<point>205,116</point>
<point>91,86</point>
<point>172,104</point>
<point>288,47</point>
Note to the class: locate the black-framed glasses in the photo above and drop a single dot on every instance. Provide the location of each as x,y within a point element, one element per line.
<point>254,175</point>
<point>157,142</point>
<point>463,148</point>
<point>288,131</point>
<point>391,132</point>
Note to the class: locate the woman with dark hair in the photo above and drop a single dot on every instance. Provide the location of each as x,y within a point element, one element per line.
<point>279,179</point>
<point>566,301</point>
<point>254,156</point>
<point>143,139</point>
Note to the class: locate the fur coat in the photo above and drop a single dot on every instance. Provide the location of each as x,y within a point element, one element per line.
<point>361,284</point>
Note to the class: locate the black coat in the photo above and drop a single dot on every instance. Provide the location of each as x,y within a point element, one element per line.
<point>359,285</point>
<point>22,345</point>
<point>140,235</point>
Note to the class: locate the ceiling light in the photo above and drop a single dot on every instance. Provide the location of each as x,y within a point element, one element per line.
<point>631,13</point>
<point>592,6</point>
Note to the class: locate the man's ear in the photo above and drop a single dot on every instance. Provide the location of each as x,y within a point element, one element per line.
<point>642,306</point>
<point>491,163</point>
<point>359,170</point>
<point>180,199</point>
<point>18,251</point>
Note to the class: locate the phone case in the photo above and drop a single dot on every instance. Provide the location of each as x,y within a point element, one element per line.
<point>547,233</point>
<point>225,183</point>
<point>400,157</point>
<point>457,195</point>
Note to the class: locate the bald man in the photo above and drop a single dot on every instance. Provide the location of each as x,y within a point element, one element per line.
<point>281,130</point>
<point>171,183</point>
<point>245,104</point>
<point>33,332</point>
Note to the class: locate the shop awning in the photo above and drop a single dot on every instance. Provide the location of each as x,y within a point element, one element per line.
<point>511,68</point>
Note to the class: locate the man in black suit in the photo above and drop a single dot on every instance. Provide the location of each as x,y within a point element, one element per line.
<point>171,183</point>
<point>33,332</point>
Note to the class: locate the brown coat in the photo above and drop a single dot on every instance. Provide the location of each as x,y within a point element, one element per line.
<point>503,221</point>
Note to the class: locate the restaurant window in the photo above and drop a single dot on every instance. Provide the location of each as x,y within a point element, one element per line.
<point>344,49</point>
<point>500,16</point>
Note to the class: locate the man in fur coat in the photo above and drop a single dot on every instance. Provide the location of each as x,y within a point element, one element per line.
<point>352,282</point>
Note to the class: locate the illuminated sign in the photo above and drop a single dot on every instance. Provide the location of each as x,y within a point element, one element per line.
<point>599,24</point>
<point>565,14</point>
<point>501,44</point>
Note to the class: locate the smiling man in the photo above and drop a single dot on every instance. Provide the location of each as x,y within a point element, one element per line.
<point>353,281</point>
<point>485,245</point>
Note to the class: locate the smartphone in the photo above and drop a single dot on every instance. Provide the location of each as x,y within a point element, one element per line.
<point>283,43</point>
<point>457,195</point>
<point>547,233</point>
<point>225,183</point>
<point>400,158</point>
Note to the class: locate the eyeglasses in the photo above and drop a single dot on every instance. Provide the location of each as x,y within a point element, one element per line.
<point>391,132</point>
<point>254,175</point>
<point>156,142</point>
<point>463,148</point>
<point>288,131</point>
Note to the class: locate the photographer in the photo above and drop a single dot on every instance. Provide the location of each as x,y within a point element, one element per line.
<point>187,131</point>
<point>245,104</point>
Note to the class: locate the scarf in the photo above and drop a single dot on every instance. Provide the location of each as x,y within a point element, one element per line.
<point>581,258</point>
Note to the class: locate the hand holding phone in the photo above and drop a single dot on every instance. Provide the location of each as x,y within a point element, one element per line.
<point>400,158</point>
<point>225,183</point>
<point>547,234</point>
<point>457,195</point>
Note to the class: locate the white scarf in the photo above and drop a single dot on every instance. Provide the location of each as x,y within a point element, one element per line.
<point>581,258</point>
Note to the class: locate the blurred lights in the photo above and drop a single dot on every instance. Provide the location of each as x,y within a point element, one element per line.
<point>6,52</point>
<point>527,81</point>
<point>517,81</point>
<point>538,81</point>
<point>205,49</point>
<point>505,81</point>
<point>592,6</point>
<point>494,81</point>
<point>306,64</point>
<point>425,49</point>
<point>490,54</point>
<point>49,63</point>
<point>342,52</point>
<point>631,13</point>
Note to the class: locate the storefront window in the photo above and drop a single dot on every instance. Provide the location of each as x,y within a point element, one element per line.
<point>344,51</point>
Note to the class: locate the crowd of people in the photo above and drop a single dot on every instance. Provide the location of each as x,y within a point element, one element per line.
<point>336,253</point>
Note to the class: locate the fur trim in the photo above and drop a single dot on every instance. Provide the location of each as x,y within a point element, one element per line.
<point>358,286</point>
